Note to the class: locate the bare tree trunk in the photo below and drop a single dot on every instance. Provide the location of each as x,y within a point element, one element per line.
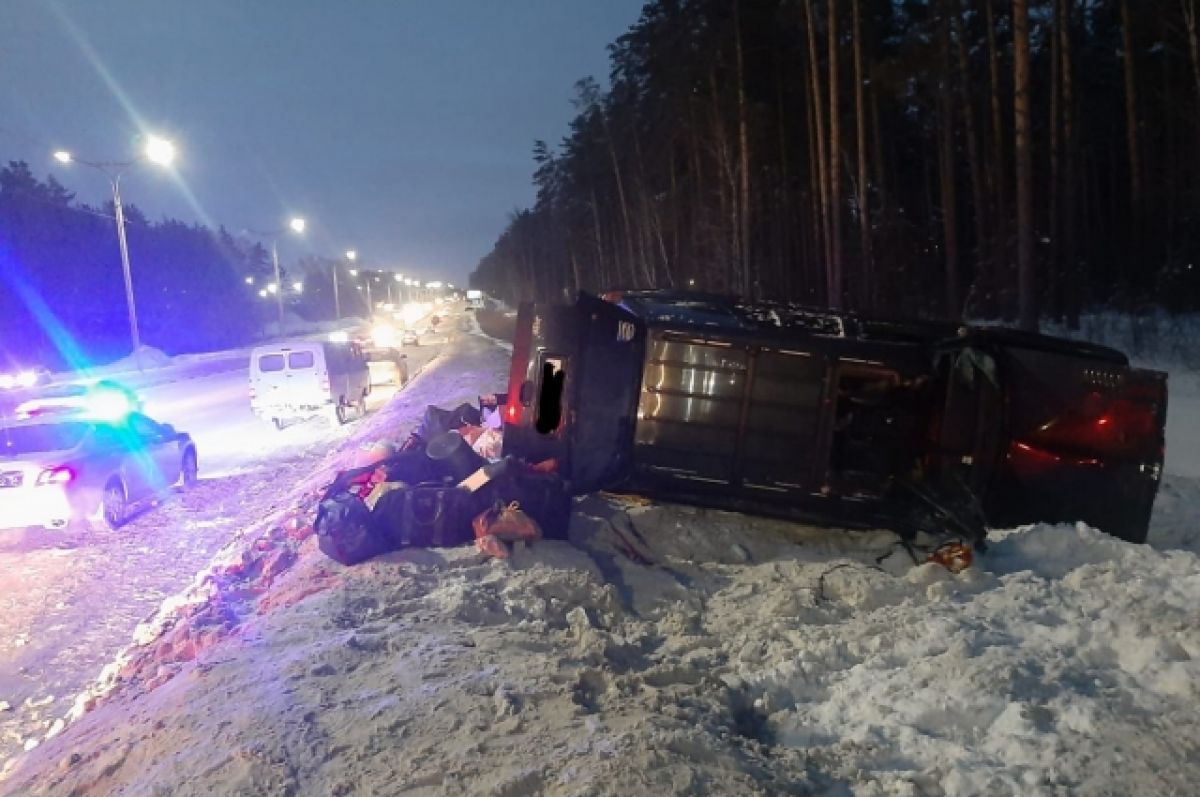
<point>600,259</point>
<point>727,183</point>
<point>744,275</point>
<point>616,167</point>
<point>1189,23</point>
<point>649,272</point>
<point>881,185</point>
<point>973,161</point>
<point>819,113</point>
<point>999,181</point>
<point>1054,271</point>
<point>949,200</point>
<point>576,273</point>
<point>1070,224</point>
<point>835,158</point>
<point>1135,167</point>
<point>867,289</point>
<point>813,279</point>
<point>1027,314</point>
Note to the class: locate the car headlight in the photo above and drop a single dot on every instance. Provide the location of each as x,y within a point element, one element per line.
<point>384,334</point>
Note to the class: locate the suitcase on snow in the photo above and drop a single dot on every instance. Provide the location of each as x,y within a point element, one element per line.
<point>425,515</point>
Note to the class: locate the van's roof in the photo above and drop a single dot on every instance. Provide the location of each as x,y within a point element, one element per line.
<point>289,345</point>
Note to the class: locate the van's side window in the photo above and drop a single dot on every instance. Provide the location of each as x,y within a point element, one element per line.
<point>550,400</point>
<point>270,362</point>
<point>300,359</point>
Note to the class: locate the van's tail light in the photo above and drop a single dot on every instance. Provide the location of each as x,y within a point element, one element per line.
<point>253,393</point>
<point>512,412</point>
<point>324,383</point>
<point>55,476</point>
<point>1105,427</point>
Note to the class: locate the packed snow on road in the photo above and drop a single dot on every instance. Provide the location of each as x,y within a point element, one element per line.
<point>661,650</point>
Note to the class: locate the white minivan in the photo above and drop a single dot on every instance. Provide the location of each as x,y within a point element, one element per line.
<point>297,379</point>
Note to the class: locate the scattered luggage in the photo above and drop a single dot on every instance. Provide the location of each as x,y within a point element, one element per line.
<point>438,490</point>
<point>500,524</point>
<point>346,531</point>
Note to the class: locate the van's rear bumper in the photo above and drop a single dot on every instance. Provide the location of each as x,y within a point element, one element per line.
<point>289,410</point>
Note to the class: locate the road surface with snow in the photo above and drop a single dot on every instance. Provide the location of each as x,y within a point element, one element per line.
<point>71,600</point>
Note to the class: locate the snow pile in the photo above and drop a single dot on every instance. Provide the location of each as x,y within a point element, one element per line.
<point>1155,337</point>
<point>145,358</point>
<point>729,656</point>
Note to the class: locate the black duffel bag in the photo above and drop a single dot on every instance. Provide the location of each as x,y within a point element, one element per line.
<point>426,515</point>
<point>346,530</point>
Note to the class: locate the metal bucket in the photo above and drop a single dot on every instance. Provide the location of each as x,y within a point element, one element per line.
<point>452,456</point>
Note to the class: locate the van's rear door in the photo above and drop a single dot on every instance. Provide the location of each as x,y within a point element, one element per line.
<point>573,388</point>
<point>611,352</point>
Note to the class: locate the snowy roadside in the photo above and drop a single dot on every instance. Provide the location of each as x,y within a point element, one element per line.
<point>737,656</point>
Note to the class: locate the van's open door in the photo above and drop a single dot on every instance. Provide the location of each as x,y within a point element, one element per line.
<point>604,393</point>
<point>573,390</point>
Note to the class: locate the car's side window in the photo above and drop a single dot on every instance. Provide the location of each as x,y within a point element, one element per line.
<point>145,428</point>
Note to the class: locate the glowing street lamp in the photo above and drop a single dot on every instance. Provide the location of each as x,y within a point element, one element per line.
<point>158,151</point>
<point>298,287</point>
<point>249,280</point>
<point>272,287</point>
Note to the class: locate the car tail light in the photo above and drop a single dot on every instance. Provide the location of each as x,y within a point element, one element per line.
<point>253,393</point>
<point>512,412</point>
<point>325,383</point>
<point>55,476</point>
<point>1102,427</point>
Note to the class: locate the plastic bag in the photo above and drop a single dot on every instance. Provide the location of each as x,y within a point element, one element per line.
<point>500,524</point>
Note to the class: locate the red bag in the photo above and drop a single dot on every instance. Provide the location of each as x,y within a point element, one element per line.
<point>493,527</point>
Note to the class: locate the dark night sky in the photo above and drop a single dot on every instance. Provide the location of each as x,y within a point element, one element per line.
<point>402,128</point>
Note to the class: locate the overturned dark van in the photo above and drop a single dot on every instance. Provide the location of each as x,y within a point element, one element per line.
<point>832,418</point>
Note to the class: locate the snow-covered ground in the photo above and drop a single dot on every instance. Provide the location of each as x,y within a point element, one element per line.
<point>663,650</point>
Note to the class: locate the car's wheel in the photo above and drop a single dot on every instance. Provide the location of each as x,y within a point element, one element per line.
<point>362,405</point>
<point>340,413</point>
<point>114,506</point>
<point>190,468</point>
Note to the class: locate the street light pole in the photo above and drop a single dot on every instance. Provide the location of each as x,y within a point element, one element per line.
<point>158,151</point>
<point>130,305</point>
<point>337,302</point>
<point>278,282</point>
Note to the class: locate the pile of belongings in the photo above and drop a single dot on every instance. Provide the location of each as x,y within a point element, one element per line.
<point>447,485</point>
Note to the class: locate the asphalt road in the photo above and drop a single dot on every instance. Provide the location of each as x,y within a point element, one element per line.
<point>71,600</point>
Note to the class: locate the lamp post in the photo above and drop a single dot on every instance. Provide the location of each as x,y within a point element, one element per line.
<point>158,151</point>
<point>296,225</point>
<point>351,256</point>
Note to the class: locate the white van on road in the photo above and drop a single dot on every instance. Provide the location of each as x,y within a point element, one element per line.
<point>297,379</point>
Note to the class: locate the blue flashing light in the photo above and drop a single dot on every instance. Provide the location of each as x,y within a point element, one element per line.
<point>107,403</point>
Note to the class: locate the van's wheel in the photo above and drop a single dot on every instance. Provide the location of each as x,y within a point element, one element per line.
<point>362,405</point>
<point>278,424</point>
<point>190,469</point>
<point>114,506</point>
<point>339,412</point>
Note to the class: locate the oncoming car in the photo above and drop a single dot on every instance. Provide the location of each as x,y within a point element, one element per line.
<point>65,470</point>
<point>410,338</point>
